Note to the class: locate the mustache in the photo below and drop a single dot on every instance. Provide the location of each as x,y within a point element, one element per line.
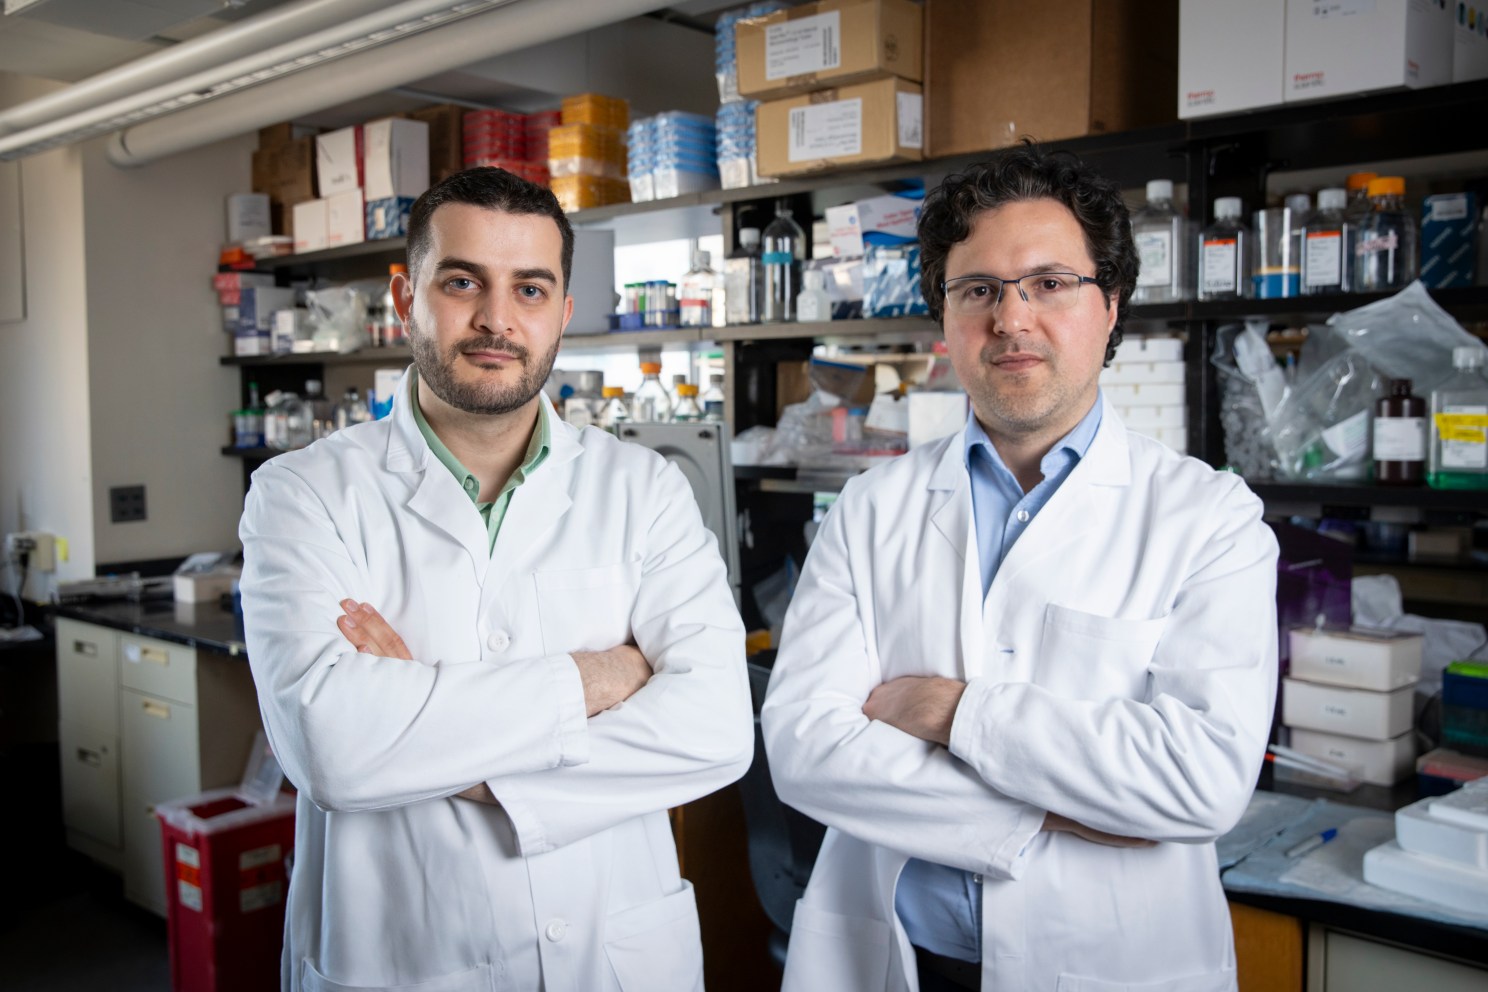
<point>499,345</point>
<point>991,353</point>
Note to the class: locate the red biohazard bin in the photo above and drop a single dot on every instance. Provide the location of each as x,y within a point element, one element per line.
<point>226,878</point>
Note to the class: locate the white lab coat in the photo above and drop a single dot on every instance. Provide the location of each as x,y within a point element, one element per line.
<point>1121,672</point>
<point>575,876</point>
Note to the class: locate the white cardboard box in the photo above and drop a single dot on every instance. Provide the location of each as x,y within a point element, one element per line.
<point>1421,827</point>
<point>1174,437</point>
<point>248,217</point>
<point>204,587</point>
<point>309,226</point>
<point>1462,887</point>
<point>1144,393</point>
<point>1142,348</point>
<point>346,218</point>
<point>1375,716</point>
<point>1132,373</point>
<point>1379,762</point>
<point>1358,657</point>
<point>1229,55</point>
<point>1470,47</point>
<point>338,161</point>
<point>1336,47</point>
<point>395,158</point>
<point>934,415</point>
<point>1146,419</point>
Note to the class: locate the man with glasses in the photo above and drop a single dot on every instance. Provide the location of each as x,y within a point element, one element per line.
<point>1027,676</point>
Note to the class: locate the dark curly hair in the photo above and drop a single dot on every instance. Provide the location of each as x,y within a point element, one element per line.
<point>1029,172</point>
<point>494,189</point>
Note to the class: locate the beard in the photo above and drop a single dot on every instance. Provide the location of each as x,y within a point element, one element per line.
<point>438,372</point>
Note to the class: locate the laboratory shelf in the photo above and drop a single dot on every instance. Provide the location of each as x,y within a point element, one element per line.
<point>250,454</point>
<point>1466,301</point>
<point>867,327</point>
<point>1421,497</point>
<point>631,340</point>
<point>366,356</point>
<point>340,253</point>
<point>790,479</point>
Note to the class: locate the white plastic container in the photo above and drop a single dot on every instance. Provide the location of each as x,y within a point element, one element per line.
<point>1446,883</point>
<point>1378,762</point>
<point>1122,372</point>
<point>1360,657</point>
<point>1375,716</point>
<point>1434,827</point>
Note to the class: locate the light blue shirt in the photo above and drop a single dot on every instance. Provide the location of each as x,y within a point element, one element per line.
<point>941,907</point>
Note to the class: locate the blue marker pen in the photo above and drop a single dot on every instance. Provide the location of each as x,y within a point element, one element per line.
<point>1312,843</point>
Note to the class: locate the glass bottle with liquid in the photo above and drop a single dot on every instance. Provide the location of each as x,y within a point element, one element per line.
<point>651,403</point>
<point>1325,244</point>
<point>744,279</point>
<point>352,409</point>
<point>1158,230</point>
<point>615,411</point>
<point>714,400</point>
<point>1354,213</point>
<point>322,411</point>
<point>695,301</point>
<point>1224,253</point>
<point>783,249</point>
<point>1459,424</point>
<point>1385,253</point>
<point>1399,436</point>
<point>687,410</point>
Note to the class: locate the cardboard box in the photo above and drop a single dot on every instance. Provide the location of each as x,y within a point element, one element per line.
<point>1449,240</point>
<point>446,138</point>
<point>829,43</point>
<point>1357,46</point>
<point>1469,46</point>
<point>1359,657</point>
<point>1379,762</point>
<point>388,217</point>
<point>286,172</point>
<point>346,220</point>
<point>247,217</point>
<point>1375,716</point>
<point>283,133</point>
<point>256,306</point>
<point>338,161</point>
<point>395,158</point>
<point>1231,56</point>
<point>855,125</point>
<point>996,71</point>
<point>310,220</point>
<point>889,219</point>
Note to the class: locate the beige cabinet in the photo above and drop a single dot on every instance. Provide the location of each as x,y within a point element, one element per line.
<point>1341,962</point>
<point>144,721</point>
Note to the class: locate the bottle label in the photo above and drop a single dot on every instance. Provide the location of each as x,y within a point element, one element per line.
<point>1375,244</point>
<point>1155,249</point>
<point>1400,439</point>
<point>1324,259</point>
<point>778,258</point>
<point>1348,439</point>
<point>1463,431</point>
<point>1219,265</point>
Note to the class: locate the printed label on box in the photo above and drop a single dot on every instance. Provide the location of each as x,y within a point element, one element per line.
<point>260,897</point>
<point>911,119</point>
<point>807,44</point>
<point>1342,8</point>
<point>188,877</point>
<point>1447,208</point>
<point>260,856</point>
<point>826,130</point>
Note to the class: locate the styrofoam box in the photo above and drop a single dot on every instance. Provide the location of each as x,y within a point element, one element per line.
<point>338,164</point>
<point>1375,716</point>
<point>1121,372</point>
<point>1149,349</point>
<point>1229,55</point>
<point>346,218</point>
<point>934,415</point>
<point>1144,393</point>
<point>1145,418</point>
<point>395,158</point>
<point>1379,762</point>
<point>309,226</point>
<point>1446,883</point>
<point>1420,828</point>
<point>247,217</point>
<point>1358,657</point>
<point>1355,46</point>
<point>1469,49</point>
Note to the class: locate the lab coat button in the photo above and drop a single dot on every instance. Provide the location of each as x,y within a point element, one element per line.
<point>556,930</point>
<point>499,640</point>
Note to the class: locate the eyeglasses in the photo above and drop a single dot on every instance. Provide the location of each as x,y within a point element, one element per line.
<point>975,296</point>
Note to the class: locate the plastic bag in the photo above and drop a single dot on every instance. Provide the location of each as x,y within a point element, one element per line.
<point>1321,429</point>
<point>1251,387</point>
<point>338,316</point>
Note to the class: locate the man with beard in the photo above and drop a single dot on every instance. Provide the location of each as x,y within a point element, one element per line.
<point>491,650</point>
<point>1027,676</point>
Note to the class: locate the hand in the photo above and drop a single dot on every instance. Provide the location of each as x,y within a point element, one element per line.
<point>611,676</point>
<point>921,707</point>
<point>369,633</point>
<point>1054,823</point>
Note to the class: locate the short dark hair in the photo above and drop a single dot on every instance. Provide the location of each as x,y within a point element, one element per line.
<point>1029,172</point>
<point>494,189</point>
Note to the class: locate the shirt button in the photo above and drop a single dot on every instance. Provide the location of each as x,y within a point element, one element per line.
<point>977,878</point>
<point>499,640</point>
<point>1022,516</point>
<point>556,930</point>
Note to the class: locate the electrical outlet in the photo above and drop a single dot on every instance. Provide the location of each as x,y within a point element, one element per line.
<point>126,504</point>
<point>39,547</point>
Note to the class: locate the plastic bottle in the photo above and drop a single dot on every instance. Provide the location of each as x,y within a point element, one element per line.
<point>1459,424</point>
<point>783,248</point>
<point>687,409</point>
<point>1325,238</point>
<point>696,298</point>
<point>1399,436</point>
<point>744,279</point>
<point>714,400</point>
<point>255,417</point>
<point>675,393</point>
<point>582,407</point>
<point>650,404</point>
<point>393,332</point>
<point>813,303</point>
<point>322,411</point>
<point>1224,253</point>
<point>288,422</point>
<point>1158,230</point>
<point>352,409</point>
<point>1385,254</point>
<point>614,412</point>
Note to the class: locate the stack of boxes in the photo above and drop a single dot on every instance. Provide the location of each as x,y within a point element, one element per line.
<point>586,153</point>
<point>671,154</point>
<point>446,139</point>
<point>1440,851</point>
<point>1145,383</point>
<point>1349,699</point>
<point>737,158</point>
<point>498,138</point>
<point>367,177</point>
<point>284,168</point>
<point>248,301</point>
<point>839,84</point>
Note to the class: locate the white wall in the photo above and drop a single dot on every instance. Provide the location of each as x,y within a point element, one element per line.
<point>45,438</point>
<point>160,398</point>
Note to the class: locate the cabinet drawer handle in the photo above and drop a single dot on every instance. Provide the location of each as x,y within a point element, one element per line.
<point>156,655</point>
<point>88,757</point>
<point>158,710</point>
<point>85,647</point>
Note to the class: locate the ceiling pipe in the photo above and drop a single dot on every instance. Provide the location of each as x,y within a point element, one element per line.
<point>387,25</point>
<point>271,28</point>
<point>524,24</point>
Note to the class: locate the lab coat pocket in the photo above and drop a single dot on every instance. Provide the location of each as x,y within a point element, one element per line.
<point>1086,656</point>
<point>829,950</point>
<point>657,945</point>
<point>1218,981</point>
<point>477,979</point>
<point>586,609</point>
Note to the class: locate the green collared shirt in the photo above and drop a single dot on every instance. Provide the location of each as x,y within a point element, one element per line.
<point>495,511</point>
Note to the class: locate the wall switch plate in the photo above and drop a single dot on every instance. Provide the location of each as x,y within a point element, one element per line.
<point>126,504</point>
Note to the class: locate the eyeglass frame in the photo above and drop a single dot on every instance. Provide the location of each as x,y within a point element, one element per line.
<point>1002,284</point>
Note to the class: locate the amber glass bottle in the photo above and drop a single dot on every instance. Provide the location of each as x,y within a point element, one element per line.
<point>1400,437</point>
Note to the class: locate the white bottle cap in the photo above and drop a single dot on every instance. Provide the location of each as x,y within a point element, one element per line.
<point>1228,208</point>
<point>312,385</point>
<point>1159,189</point>
<point>1469,356</point>
<point>1299,203</point>
<point>701,259</point>
<point>749,236</point>
<point>1332,199</point>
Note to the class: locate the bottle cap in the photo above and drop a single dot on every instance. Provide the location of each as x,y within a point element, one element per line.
<point>812,278</point>
<point>701,259</point>
<point>1469,356</point>
<point>1400,387</point>
<point>1387,186</point>
<point>397,268</point>
<point>1227,207</point>
<point>1298,203</point>
<point>686,389</point>
<point>610,392</point>
<point>1159,189</point>
<point>749,236</point>
<point>1332,199</point>
<point>312,385</point>
<point>650,368</point>
<point>717,380</point>
<point>1359,180</point>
